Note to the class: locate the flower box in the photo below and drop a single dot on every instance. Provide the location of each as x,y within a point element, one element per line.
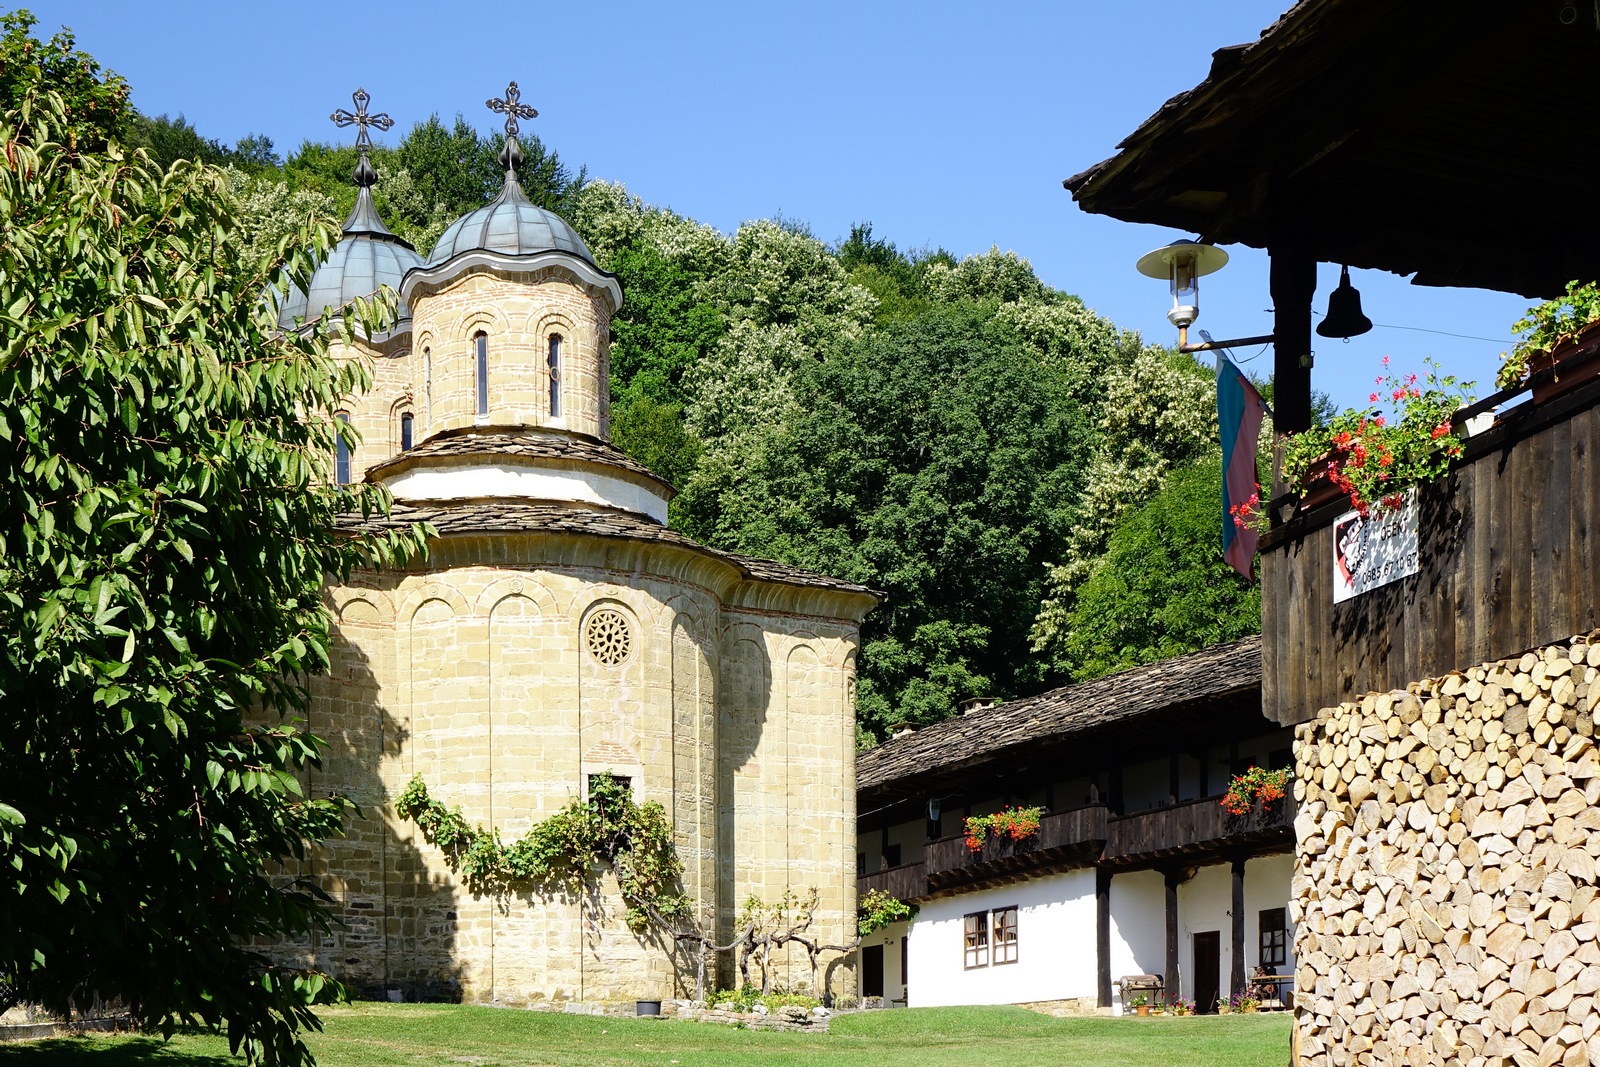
<point>1576,360</point>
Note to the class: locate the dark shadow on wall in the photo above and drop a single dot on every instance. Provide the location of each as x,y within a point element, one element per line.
<point>395,934</point>
<point>745,692</point>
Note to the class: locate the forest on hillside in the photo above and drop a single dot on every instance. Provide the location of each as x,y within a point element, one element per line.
<point>1034,491</point>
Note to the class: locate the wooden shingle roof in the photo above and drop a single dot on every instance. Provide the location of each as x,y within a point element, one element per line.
<point>1018,730</point>
<point>1454,141</point>
<point>520,443</point>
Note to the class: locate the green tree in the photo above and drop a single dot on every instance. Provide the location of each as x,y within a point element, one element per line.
<point>1158,412</point>
<point>95,102</point>
<point>166,527</point>
<point>938,460</point>
<point>1161,588</point>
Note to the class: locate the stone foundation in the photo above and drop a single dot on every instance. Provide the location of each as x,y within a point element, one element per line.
<point>1444,893</point>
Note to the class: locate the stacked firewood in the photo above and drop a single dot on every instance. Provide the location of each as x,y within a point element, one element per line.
<point>1444,892</point>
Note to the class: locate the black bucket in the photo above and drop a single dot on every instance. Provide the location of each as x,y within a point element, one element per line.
<point>647,1007</point>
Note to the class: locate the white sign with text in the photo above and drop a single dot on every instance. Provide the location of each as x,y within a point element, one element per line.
<point>1373,550</point>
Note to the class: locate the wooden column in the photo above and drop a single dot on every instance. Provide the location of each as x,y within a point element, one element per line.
<point>1236,971</point>
<point>1293,281</point>
<point>1172,977</point>
<point>1172,775</point>
<point>1116,788</point>
<point>1102,933</point>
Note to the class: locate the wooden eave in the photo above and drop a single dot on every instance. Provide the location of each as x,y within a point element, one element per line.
<point>1188,700</point>
<point>1455,142</point>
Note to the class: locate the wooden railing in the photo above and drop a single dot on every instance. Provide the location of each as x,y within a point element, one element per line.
<point>1064,832</point>
<point>1194,827</point>
<point>905,882</point>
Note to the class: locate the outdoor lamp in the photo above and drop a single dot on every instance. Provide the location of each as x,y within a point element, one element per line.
<point>1183,263</point>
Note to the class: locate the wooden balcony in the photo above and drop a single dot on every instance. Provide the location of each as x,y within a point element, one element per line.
<point>905,882</point>
<point>1065,839</point>
<point>1507,555</point>
<point>1200,830</point>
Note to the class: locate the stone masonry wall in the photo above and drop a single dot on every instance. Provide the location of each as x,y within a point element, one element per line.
<point>475,674</point>
<point>1444,894</point>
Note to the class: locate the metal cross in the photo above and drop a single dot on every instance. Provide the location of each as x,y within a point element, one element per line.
<point>361,120</point>
<point>512,108</point>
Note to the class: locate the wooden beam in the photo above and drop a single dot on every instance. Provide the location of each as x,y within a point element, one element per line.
<point>1236,970</point>
<point>1102,934</point>
<point>1293,282</point>
<point>1174,878</point>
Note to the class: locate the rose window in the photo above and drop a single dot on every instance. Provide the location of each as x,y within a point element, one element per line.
<point>608,636</point>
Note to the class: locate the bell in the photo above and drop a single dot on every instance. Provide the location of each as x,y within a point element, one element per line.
<point>1344,317</point>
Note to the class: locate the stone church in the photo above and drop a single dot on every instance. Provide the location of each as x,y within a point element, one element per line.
<point>558,630</point>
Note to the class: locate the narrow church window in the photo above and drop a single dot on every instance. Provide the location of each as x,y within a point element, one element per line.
<point>341,455</point>
<point>608,636</point>
<point>1005,936</point>
<point>405,430</point>
<point>427,376</point>
<point>976,939</point>
<point>555,376</point>
<point>482,341</point>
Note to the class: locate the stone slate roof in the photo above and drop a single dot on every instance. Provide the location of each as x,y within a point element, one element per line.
<point>1012,730</point>
<point>488,441</point>
<point>462,517</point>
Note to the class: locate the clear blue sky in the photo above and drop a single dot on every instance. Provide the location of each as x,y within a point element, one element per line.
<point>943,124</point>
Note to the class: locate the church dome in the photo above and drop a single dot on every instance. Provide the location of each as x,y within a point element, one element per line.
<point>361,263</point>
<point>512,225</point>
<point>370,255</point>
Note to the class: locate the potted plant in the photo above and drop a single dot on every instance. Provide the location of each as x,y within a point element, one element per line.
<point>1255,784</point>
<point>1141,1005</point>
<point>1563,333</point>
<point>1008,824</point>
<point>1406,436</point>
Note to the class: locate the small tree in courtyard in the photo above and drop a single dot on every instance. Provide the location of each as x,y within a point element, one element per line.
<point>166,527</point>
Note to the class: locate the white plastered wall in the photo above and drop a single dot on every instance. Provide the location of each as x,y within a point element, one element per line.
<point>493,480</point>
<point>1205,902</point>
<point>894,979</point>
<point>1055,945</point>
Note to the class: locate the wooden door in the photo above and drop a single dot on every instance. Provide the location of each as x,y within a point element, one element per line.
<point>872,971</point>
<point>1207,970</point>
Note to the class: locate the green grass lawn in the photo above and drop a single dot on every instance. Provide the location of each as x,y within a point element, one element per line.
<point>425,1035</point>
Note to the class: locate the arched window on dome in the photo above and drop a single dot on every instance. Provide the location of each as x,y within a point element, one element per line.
<point>481,340</point>
<point>427,377</point>
<point>407,431</point>
<point>555,376</point>
<point>341,452</point>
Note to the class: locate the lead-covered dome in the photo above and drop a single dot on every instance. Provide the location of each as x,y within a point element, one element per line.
<point>512,225</point>
<point>368,257</point>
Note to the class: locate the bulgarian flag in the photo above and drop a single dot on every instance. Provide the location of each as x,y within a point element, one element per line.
<point>1239,413</point>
